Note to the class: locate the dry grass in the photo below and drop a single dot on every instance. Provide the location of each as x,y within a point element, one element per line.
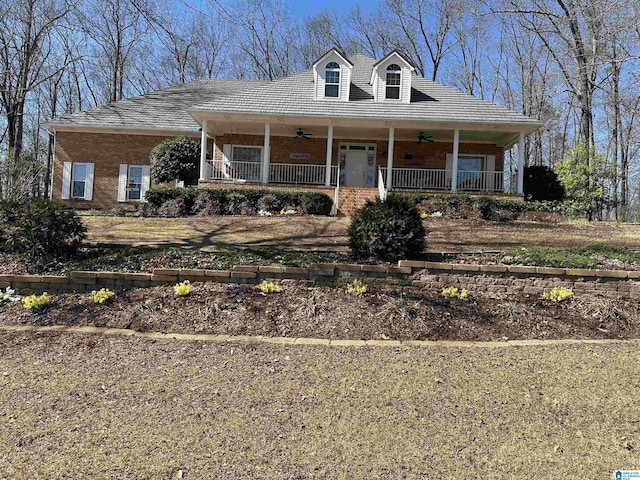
<point>211,233</point>
<point>326,233</point>
<point>78,406</point>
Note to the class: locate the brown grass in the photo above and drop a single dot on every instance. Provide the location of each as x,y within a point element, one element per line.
<point>326,233</point>
<point>82,406</point>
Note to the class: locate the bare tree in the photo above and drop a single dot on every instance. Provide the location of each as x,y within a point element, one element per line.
<point>27,41</point>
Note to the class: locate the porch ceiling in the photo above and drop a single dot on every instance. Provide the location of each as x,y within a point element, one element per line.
<point>216,128</point>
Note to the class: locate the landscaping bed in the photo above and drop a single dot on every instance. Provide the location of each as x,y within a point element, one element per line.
<point>383,312</point>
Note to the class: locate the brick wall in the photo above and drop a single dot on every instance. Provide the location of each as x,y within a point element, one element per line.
<point>108,150</point>
<point>499,279</point>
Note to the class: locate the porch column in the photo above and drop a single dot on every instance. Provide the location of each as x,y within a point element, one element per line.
<point>327,172</point>
<point>266,153</point>
<point>521,164</point>
<point>392,135</point>
<point>454,161</point>
<point>203,151</point>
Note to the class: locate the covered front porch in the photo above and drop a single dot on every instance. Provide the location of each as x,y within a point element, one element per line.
<point>365,154</point>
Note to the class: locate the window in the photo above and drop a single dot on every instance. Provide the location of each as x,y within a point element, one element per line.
<point>246,163</point>
<point>134,182</point>
<point>332,80</point>
<point>79,180</point>
<point>393,82</point>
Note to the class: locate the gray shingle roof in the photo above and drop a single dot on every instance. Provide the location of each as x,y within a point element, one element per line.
<point>430,101</point>
<point>162,110</point>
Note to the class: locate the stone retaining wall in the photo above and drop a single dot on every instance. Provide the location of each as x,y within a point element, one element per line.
<point>492,278</point>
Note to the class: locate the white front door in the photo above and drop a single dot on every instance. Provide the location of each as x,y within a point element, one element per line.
<point>356,169</point>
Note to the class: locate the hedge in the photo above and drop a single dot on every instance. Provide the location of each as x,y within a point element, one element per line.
<point>175,202</point>
<point>486,207</point>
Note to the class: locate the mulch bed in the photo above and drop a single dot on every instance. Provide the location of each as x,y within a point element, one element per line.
<point>384,312</point>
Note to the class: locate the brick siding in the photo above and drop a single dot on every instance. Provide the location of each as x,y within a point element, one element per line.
<point>108,150</point>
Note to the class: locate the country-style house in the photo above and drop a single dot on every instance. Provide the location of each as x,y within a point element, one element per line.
<point>349,121</point>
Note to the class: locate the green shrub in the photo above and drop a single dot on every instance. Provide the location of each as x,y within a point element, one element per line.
<point>388,230</point>
<point>196,201</point>
<point>542,183</point>
<point>236,202</point>
<point>316,203</point>
<point>157,196</point>
<point>209,202</point>
<point>177,207</point>
<point>40,229</point>
<point>175,159</point>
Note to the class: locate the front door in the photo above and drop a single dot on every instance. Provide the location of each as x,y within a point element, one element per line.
<point>356,169</point>
<point>357,162</point>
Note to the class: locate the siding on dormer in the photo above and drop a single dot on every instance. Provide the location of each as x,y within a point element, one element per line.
<point>380,81</point>
<point>345,78</point>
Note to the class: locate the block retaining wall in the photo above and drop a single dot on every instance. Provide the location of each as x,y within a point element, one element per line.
<point>491,278</point>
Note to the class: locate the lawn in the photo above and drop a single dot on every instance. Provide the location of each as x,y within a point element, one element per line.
<point>89,406</point>
<point>327,233</point>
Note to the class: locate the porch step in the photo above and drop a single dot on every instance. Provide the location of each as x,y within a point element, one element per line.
<point>351,198</point>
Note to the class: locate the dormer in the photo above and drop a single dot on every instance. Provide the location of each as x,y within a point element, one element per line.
<point>391,79</point>
<point>332,76</point>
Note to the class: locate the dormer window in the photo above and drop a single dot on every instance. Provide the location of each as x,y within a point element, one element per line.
<point>393,82</point>
<point>332,80</point>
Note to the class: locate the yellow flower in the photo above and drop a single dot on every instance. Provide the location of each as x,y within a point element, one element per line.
<point>183,288</point>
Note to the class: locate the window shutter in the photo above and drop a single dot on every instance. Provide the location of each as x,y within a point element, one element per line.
<point>66,181</point>
<point>146,182</point>
<point>122,183</point>
<point>88,189</point>
<point>226,153</point>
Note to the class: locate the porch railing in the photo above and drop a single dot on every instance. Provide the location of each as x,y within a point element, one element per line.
<point>440,179</point>
<point>293,173</point>
<point>247,171</point>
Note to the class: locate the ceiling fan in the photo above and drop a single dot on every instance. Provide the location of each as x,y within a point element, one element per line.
<point>421,137</point>
<point>301,134</point>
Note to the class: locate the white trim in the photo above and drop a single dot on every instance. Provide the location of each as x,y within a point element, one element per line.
<point>329,160</point>
<point>123,172</point>
<point>65,194</point>
<point>521,164</point>
<point>146,182</point>
<point>390,145</point>
<point>88,187</point>
<point>454,164</point>
<point>266,153</point>
<point>203,150</point>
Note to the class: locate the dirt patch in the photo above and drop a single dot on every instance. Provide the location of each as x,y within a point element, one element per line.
<point>384,312</point>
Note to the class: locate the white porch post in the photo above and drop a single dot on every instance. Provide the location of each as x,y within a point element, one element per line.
<point>327,172</point>
<point>266,153</point>
<point>203,151</point>
<point>454,162</point>
<point>392,135</point>
<point>521,164</point>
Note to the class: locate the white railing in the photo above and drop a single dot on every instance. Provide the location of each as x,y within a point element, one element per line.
<point>247,171</point>
<point>439,179</point>
<point>297,173</point>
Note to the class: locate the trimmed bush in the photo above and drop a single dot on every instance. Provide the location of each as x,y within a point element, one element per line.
<point>40,229</point>
<point>163,201</point>
<point>316,203</point>
<point>389,230</point>
<point>175,159</point>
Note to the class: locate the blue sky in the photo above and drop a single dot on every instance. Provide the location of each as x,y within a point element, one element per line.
<point>302,8</point>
